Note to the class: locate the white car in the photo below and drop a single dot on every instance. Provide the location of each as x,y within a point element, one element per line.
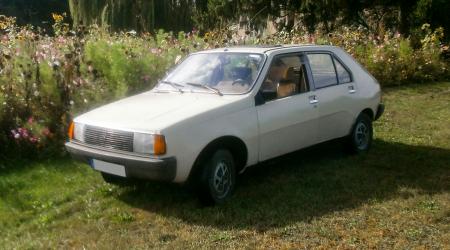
<point>220,111</point>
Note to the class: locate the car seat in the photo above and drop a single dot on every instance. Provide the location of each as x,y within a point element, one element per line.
<point>288,85</point>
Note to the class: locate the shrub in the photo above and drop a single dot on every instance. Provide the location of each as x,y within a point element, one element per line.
<point>51,78</point>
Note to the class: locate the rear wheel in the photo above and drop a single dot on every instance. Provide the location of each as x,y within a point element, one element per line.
<point>217,178</point>
<point>360,139</point>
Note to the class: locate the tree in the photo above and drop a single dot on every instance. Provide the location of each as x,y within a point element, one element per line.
<point>139,15</point>
<point>116,14</point>
<point>34,12</point>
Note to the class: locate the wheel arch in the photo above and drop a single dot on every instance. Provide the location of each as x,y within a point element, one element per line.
<point>234,144</point>
<point>369,112</point>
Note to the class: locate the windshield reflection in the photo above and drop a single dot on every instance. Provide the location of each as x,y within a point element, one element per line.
<point>220,73</point>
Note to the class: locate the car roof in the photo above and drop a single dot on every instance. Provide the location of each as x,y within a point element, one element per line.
<point>266,49</point>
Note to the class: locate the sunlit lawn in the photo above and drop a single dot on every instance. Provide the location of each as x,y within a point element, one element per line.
<point>397,196</point>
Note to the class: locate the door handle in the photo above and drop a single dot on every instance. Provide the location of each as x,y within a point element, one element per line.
<point>313,99</point>
<point>351,89</point>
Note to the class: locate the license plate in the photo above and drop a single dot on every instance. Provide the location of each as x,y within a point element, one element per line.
<point>108,167</point>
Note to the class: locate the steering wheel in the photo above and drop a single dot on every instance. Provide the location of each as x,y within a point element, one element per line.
<point>239,80</point>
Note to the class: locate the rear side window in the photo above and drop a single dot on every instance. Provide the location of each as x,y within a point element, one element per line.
<point>323,71</point>
<point>342,73</point>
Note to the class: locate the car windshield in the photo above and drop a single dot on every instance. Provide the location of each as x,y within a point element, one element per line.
<point>216,73</point>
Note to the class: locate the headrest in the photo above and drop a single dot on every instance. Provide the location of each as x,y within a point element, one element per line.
<point>290,74</point>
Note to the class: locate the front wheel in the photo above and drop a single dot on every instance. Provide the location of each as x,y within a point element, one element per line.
<point>218,178</point>
<point>360,139</point>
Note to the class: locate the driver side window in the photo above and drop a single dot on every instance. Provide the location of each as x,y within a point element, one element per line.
<point>286,77</point>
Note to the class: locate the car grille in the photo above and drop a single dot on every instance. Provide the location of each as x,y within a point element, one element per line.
<point>108,138</point>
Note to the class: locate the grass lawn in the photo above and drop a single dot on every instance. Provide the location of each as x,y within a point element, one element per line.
<point>397,196</point>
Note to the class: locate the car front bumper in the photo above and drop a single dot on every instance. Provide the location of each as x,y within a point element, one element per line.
<point>135,166</point>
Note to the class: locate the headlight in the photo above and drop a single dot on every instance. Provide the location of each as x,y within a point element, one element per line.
<point>78,133</point>
<point>149,144</point>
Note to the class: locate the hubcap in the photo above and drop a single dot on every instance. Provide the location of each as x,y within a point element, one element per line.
<point>222,179</point>
<point>362,135</point>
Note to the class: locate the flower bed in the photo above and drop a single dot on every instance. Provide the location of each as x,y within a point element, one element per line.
<point>45,80</point>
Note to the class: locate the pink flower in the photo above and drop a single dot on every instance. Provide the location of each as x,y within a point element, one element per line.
<point>23,132</point>
<point>30,120</point>
<point>45,131</point>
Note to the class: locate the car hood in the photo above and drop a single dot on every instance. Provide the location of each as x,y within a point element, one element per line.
<point>153,111</point>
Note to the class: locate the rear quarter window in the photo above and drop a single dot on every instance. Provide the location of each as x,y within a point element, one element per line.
<point>342,73</point>
<point>323,71</point>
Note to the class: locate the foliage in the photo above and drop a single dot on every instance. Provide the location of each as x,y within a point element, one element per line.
<point>392,58</point>
<point>51,78</point>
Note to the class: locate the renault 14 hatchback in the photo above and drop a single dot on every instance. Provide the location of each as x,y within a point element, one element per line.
<point>220,111</point>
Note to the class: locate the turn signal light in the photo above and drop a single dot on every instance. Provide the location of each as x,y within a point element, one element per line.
<point>159,147</point>
<point>71,130</point>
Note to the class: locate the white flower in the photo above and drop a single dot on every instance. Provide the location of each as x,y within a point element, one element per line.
<point>177,59</point>
<point>56,63</point>
<point>132,32</point>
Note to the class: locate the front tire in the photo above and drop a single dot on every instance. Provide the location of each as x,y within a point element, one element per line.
<point>360,139</point>
<point>217,178</point>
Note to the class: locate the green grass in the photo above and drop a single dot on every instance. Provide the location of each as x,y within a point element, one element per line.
<point>397,196</point>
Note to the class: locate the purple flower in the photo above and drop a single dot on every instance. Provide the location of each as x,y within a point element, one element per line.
<point>154,50</point>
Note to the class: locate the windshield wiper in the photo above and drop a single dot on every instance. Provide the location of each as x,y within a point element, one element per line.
<point>175,85</point>
<point>205,87</point>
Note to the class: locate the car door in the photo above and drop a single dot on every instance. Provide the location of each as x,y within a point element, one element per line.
<point>287,114</point>
<point>335,93</point>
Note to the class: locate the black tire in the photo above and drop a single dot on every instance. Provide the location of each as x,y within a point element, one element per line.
<point>217,178</point>
<point>114,179</point>
<point>361,136</point>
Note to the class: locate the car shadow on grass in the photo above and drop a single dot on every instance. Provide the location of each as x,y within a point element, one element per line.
<point>305,185</point>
